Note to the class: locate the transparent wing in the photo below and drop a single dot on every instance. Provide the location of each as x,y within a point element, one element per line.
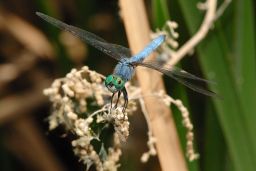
<point>175,71</point>
<point>179,75</point>
<point>115,51</point>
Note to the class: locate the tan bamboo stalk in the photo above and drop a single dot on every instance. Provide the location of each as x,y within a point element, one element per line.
<point>137,28</point>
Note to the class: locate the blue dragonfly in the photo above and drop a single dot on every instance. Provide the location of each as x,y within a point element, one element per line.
<point>127,63</point>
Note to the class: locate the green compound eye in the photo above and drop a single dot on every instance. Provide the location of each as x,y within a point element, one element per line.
<point>108,80</point>
<point>119,83</point>
<point>114,83</point>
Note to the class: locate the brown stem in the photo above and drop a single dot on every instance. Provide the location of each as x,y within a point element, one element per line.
<point>168,146</point>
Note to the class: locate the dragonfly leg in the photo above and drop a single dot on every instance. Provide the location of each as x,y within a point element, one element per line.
<point>125,98</point>
<point>118,96</point>
<point>112,100</point>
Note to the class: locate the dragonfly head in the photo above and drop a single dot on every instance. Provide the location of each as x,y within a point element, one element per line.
<point>114,83</point>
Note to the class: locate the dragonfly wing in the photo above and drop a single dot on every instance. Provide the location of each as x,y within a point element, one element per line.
<point>153,45</point>
<point>179,75</point>
<point>120,50</point>
<point>175,71</point>
<point>115,51</point>
<point>195,88</point>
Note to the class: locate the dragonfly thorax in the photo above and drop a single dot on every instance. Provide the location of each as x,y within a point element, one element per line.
<point>114,83</point>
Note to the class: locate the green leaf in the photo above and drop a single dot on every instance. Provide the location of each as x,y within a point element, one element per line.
<point>160,13</point>
<point>236,110</point>
<point>215,149</point>
<point>245,69</point>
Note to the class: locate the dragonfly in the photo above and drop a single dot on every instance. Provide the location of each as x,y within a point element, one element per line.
<point>127,63</point>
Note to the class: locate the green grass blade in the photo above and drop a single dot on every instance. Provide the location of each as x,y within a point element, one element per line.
<point>245,69</point>
<point>214,155</point>
<point>160,13</point>
<point>234,114</point>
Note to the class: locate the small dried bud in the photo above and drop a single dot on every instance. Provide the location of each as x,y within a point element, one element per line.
<point>72,115</point>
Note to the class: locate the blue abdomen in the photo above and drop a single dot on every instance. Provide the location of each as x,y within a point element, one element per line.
<point>153,45</point>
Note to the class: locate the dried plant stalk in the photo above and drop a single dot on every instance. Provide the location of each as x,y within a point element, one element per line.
<point>168,146</point>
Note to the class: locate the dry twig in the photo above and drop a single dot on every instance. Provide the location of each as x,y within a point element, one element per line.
<point>212,14</point>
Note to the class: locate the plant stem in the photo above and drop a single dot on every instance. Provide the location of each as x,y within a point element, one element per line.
<point>168,146</point>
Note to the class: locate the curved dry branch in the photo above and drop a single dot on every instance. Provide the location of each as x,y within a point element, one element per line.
<point>212,13</point>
